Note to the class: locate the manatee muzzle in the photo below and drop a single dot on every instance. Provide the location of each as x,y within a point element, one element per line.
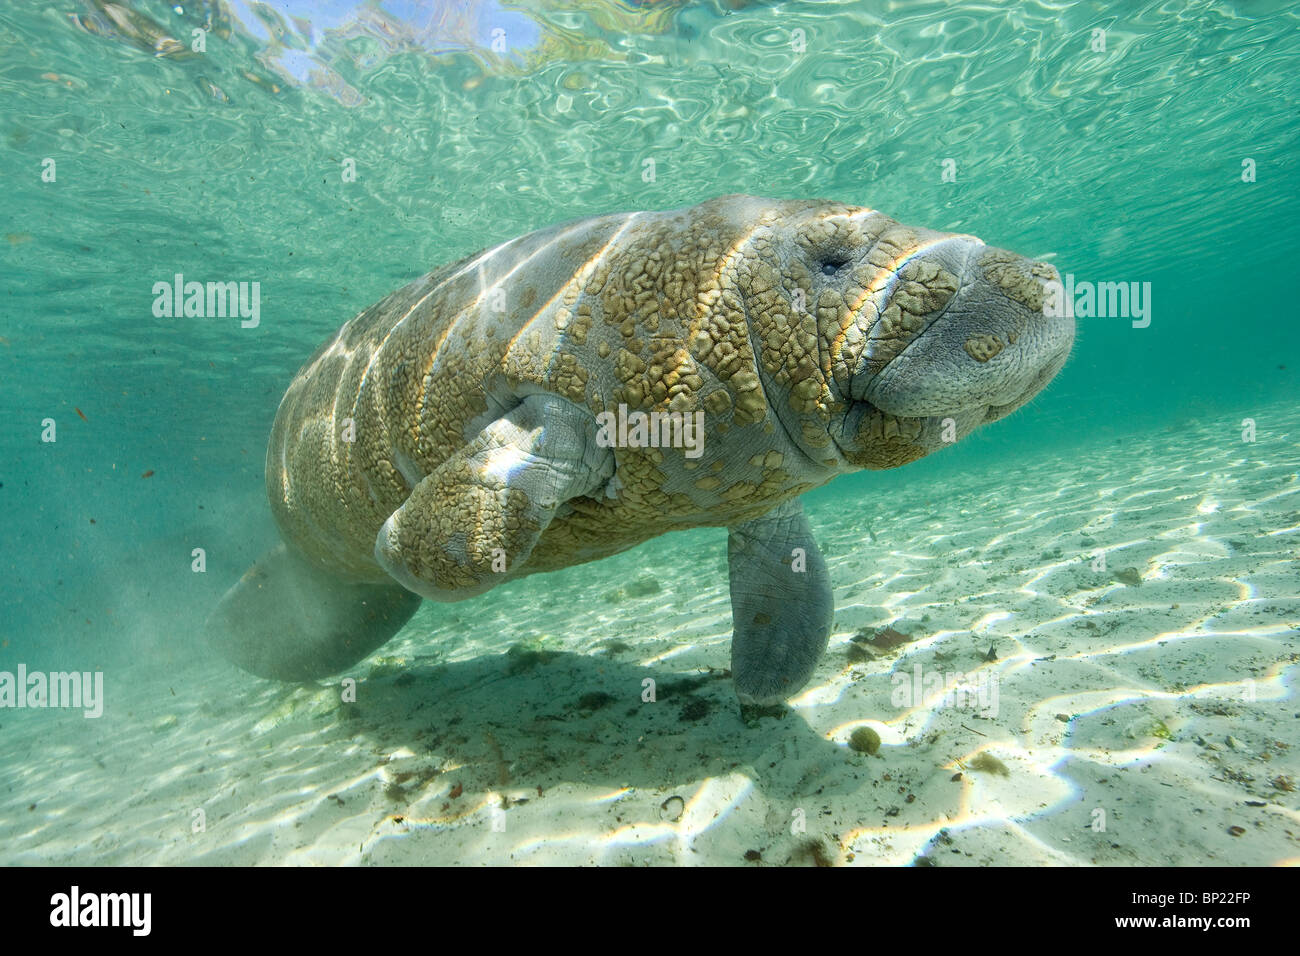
<point>990,350</point>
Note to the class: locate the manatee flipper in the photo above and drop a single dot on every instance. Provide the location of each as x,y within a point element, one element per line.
<point>287,620</point>
<point>781,616</point>
<point>479,514</point>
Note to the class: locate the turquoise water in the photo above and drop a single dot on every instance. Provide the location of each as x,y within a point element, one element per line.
<point>1124,164</point>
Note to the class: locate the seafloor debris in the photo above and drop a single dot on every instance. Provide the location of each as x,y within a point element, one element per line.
<point>672,809</point>
<point>595,700</point>
<point>817,851</point>
<point>987,763</point>
<point>1128,577</point>
<point>643,587</point>
<point>522,657</point>
<point>889,638</point>
<point>859,651</point>
<point>167,722</point>
<point>884,638</point>
<point>696,708</point>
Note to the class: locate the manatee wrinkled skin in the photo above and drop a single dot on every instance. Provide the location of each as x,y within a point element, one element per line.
<point>447,438</point>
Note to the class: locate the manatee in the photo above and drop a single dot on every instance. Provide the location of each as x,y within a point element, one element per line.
<point>569,394</point>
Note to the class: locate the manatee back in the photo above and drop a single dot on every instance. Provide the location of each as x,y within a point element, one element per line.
<point>401,386</point>
<point>623,314</point>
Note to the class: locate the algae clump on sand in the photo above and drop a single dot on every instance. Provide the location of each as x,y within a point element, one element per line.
<point>987,763</point>
<point>865,741</point>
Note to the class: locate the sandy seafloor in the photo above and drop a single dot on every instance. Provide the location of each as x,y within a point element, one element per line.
<point>1146,714</point>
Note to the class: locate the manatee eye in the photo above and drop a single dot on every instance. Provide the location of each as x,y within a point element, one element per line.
<point>833,265</point>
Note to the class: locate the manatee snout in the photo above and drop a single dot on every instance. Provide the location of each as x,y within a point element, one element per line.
<point>995,344</point>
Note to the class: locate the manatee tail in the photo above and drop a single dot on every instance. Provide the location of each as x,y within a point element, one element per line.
<point>287,620</point>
